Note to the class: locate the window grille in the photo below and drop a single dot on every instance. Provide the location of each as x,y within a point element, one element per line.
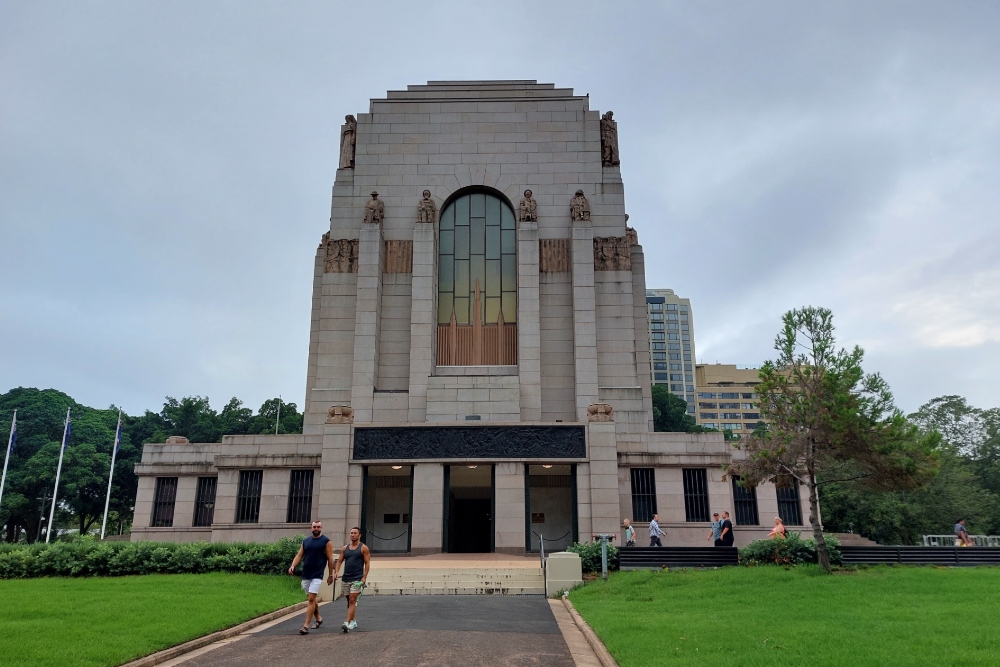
<point>643,494</point>
<point>745,501</point>
<point>204,506</point>
<point>695,494</point>
<point>789,505</point>
<point>300,495</point>
<point>248,496</point>
<point>163,502</point>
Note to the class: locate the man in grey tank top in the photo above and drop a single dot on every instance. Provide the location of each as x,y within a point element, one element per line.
<point>357,560</point>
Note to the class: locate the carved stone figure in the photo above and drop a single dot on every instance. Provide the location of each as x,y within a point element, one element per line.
<point>612,253</point>
<point>374,210</point>
<point>579,207</point>
<point>397,257</point>
<point>609,141</point>
<point>528,209</point>
<point>554,255</point>
<point>340,255</point>
<point>600,412</point>
<point>340,414</point>
<point>632,236</point>
<point>427,210</point>
<point>348,140</point>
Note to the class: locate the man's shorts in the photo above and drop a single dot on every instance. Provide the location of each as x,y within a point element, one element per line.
<point>354,586</point>
<point>311,585</point>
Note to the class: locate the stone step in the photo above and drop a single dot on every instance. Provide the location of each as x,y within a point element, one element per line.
<point>456,581</point>
<point>465,590</point>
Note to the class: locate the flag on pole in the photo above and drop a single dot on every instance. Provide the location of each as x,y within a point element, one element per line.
<point>118,434</point>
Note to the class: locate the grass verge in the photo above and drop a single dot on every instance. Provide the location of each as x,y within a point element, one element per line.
<point>773,616</point>
<point>108,621</point>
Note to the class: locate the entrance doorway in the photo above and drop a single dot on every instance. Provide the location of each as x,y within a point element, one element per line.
<point>469,509</point>
<point>385,511</point>
<point>550,506</point>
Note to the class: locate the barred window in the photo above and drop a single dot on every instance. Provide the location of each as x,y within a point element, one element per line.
<point>643,494</point>
<point>300,495</point>
<point>248,496</point>
<point>745,500</point>
<point>163,502</point>
<point>789,505</point>
<point>695,494</point>
<point>204,505</point>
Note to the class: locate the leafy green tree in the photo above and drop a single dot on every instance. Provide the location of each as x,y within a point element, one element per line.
<point>670,413</point>
<point>830,422</point>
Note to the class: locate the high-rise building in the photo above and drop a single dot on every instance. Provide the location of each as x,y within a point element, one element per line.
<point>727,397</point>
<point>671,343</point>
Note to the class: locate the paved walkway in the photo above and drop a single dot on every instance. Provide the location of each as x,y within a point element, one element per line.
<point>415,630</point>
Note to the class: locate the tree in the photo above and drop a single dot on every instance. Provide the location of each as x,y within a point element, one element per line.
<point>670,413</point>
<point>830,422</point>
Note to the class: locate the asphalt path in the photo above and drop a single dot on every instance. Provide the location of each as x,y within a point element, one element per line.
<point>425,630</point>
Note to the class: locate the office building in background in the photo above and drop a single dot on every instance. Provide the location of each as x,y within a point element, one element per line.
<point>727,397</point>
<point>671,343</point>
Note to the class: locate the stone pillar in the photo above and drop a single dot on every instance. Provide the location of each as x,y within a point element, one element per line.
<point>583,508</point>
<point>584,317</point>
<point>528,335</point>
<point>603,478</point>
<point>366,327</point>
<point>423,320</point>
<point>354,499</point>
<point>227,486</point>
<point>428,508</point>
<point>508,524</point>
<point>333,481</point>
<point>642,371</point>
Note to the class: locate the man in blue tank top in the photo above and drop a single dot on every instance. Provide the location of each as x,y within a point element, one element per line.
<point>315,554</point>
<point>357,560</point>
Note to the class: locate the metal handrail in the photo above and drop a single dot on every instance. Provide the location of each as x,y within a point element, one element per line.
<point>949,540</point>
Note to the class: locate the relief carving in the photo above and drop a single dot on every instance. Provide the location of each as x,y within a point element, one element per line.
<point>340,255</point>
<point>374,210</point>
<point>527,211</point>
<point>340,414</point>
<point>398,257</point>
<point>469,442</point>
<point>348,140</point>
<point>427,210</point>
<point>600,412</point>
<point>609,141</point>
<point>579,207</point>
<point>632,236</point>
<point>612,253</point>
<point>554,255</point>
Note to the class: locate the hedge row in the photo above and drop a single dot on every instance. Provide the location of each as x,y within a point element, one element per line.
<point>89,558</point>
<point>792,550</point>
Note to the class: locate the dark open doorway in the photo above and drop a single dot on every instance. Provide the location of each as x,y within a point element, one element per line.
<point>469,509</point>
<point>387,502</point>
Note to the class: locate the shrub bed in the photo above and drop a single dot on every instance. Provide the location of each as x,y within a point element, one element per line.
<point>90,558</point>
<point>792,550</point>
<point>590,555</point>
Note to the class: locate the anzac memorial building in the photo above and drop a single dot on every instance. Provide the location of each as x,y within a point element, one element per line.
<point>479,370</point>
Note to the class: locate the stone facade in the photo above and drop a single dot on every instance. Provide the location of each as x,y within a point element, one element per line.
<point>546,168</point>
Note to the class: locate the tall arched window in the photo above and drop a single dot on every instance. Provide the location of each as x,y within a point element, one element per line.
<point>477,282</point>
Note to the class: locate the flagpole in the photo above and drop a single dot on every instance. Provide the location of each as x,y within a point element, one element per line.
<point>114,453</point>
<point>277,419</point>
<point>6,459</point>
<point>55,491</point>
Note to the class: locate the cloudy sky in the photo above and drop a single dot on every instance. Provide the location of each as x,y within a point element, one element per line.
<point>165,174</point>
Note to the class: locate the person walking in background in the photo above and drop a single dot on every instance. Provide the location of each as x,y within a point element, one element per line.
<point>629,534</point>
<point>655,532</point>
<point>315,554</point>
<point>779,532</point>
<point>962,538</point>
<point>716,532</point>
<point>726,535</point>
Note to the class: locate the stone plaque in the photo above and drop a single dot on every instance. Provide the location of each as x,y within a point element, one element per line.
<point>470,442</point>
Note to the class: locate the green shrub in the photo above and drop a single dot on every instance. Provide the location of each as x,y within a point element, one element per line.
<point>590,555</point>
<point>86,557</point>
<point>792,550</point>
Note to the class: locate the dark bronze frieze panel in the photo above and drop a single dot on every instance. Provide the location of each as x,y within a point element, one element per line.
<point>470,442</point>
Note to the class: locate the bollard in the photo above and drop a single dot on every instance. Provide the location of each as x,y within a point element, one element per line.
<point>604,538</point>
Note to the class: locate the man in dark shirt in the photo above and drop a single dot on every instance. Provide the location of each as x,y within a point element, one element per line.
<point>357,561</point>
<point>727,536</point>
<point>315,554</point>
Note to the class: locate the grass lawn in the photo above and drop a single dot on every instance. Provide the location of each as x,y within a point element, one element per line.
<point>108,621</point>
<point>772,616</point>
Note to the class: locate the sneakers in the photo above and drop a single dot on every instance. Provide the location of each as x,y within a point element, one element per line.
<point>345,627</point>
<point>353,625</point>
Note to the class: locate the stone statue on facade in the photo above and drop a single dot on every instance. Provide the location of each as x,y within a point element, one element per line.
<point>374,209</point>
<point>612,253</point>
<point>427,210</point>
<point>609,141</point>
<point>340,414</point>
<point>527,211</point>
<point>632,236</point>
<point>600,412</point>
<point>579,207</point>
<point>348,140</point>
<point>340,255</point>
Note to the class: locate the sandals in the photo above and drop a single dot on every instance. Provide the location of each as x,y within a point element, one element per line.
<point>303,630</point>
<point>318,623</point>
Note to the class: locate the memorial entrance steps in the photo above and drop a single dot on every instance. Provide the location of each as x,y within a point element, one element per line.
<point>456,574</point>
